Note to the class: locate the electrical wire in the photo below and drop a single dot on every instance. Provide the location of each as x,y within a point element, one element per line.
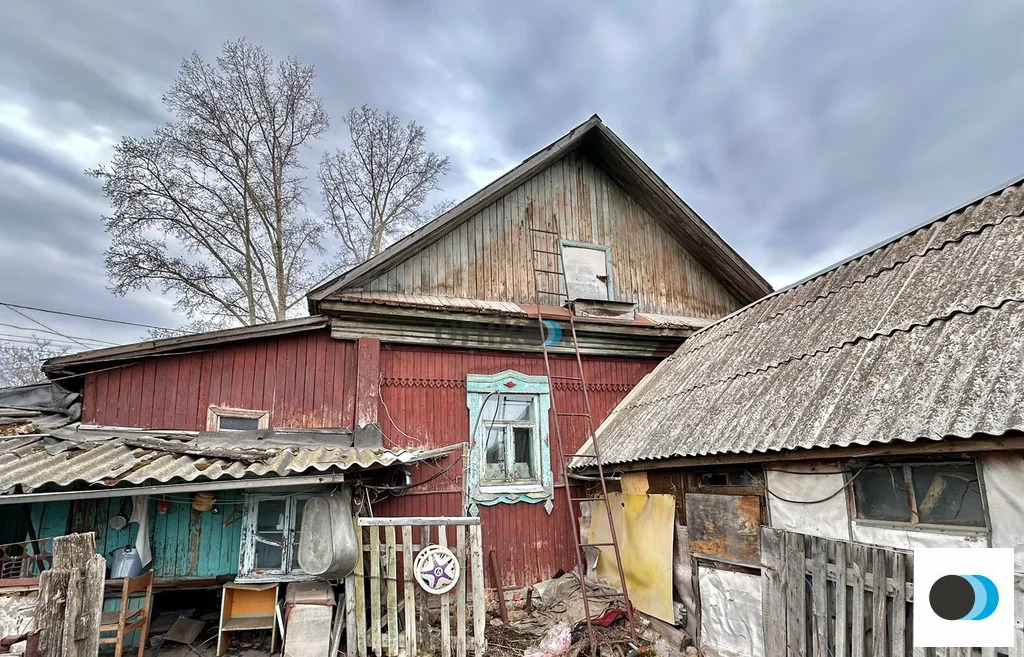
<point>92,317</point>
<point>823,499</point>
<point>35,330</point>
<point>14,309</point>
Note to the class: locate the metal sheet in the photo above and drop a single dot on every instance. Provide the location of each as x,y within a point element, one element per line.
<point>644,526</point>
<point>1004,496</point>
<point>922,338</point>
<point>808,481</point>
<point>110,462</point>
<point>726,527</point>
<point>730,620</point>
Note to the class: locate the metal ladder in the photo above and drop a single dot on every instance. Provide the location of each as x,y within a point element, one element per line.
<point>555,271</point>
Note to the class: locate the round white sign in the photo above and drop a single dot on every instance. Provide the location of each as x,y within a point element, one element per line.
<point>436,569</point>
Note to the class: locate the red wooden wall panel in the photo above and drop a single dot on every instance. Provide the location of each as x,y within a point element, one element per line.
<point>287,376</point>
<point>424,405</point>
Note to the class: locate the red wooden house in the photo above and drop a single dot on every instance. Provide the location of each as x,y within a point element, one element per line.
<point>417,347</point>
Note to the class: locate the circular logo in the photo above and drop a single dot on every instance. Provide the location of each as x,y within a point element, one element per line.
<point>963,597</point>
<point>436,569</point>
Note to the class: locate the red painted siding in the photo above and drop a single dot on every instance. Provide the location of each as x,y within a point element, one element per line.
<point>424,404</point>
<point>304,380</point>
<point>309,380</point>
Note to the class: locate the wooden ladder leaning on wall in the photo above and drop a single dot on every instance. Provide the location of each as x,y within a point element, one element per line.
<point>547,262</point>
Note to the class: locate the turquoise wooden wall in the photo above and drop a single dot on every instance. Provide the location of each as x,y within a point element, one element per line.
<point>186,544</point>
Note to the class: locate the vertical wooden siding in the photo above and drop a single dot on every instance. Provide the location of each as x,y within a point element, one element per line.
<point>304,380</point>
<point>488,256</point>
<point>424,392</point>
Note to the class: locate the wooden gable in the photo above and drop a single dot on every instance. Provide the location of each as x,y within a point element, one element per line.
<point>487,256</point>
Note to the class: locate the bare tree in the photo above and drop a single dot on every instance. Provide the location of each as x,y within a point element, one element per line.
<point>375,190</point>
<point>21,364</point>
<point>211,207</point>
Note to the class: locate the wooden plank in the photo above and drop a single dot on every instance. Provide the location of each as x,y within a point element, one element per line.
<point>446,599</point>
<point>878,596</point>
<point>423,620</point>
<point>429,522</point>
<point>1018,633</point>
<point>819,597</point>
<point>392,585</point>
<point>842,621</point>
<point>796,590</point>
<point>858,561</point>
<point>350,614</point>
<point>373,572</point>
<point>360,580</point>
<point>499,590</point>
<point>773,579</point>
<point>476,559</point>
<point>899,606</point>
<point>460,593</point>
<point>408,591</point>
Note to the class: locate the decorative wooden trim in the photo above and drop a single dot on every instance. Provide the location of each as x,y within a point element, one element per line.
<point>404,382</point>
<point>214,413</point>
<point>478,388</point>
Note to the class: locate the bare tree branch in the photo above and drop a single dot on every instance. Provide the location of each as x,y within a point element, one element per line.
<point>211,207</point>
<point>375,190</point>
<point>21,364</point>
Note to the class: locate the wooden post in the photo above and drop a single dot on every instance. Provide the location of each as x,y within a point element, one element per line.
<point>773,578</point>
<point>499,590</point>
<point>476,559</point>
<point>71,598</point>
<point>366,429</point>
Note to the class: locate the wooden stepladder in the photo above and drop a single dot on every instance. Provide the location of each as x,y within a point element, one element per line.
<point>548,266</point>
<point>386,611</point>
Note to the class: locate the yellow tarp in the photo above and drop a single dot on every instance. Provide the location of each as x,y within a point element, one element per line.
<point>644,527</point>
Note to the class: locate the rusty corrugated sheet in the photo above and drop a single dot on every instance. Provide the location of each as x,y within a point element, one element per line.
<point>920,338</point>
<point>41,460</point>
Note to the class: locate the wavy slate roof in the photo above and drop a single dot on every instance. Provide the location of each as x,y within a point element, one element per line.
<point>133,458</point>
<point>922,337</point>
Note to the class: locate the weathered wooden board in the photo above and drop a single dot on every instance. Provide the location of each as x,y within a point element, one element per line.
<point>725,527</point>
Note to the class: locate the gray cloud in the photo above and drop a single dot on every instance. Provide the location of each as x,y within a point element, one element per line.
<point>801,132</point>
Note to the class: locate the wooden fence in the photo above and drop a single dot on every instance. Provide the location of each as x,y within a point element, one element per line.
<point>829,598</point>
<point>380,622</point>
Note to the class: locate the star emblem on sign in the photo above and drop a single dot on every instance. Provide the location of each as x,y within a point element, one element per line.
<point>436,569</point>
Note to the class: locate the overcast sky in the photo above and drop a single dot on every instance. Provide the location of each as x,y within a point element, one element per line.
<point>801,131</point>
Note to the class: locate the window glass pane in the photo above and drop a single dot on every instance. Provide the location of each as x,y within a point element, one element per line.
<point>880,494</point>
<point>714,479</point>
<point>522,446</point>
<point>269,533</point>
<point>948,494</point>
<point>238,423</point>
<point>514,408</point>
<point>746,478</point>
<point>494,453</point>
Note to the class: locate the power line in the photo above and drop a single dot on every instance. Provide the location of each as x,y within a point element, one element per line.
<point>35,330</point>
<point>36,321</point>
<point>92,317</point>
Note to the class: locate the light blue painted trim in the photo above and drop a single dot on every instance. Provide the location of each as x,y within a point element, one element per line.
<point>478,388</point>
<point>597,247</point>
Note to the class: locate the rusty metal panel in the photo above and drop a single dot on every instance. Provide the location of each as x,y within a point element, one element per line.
<point>725,527</point>
<point>922,338</point>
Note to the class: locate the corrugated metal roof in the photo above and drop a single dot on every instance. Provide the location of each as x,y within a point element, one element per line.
<point>920,338</point>
<point>37,461</point>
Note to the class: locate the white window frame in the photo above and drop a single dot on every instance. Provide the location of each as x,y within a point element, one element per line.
<point>247,552</point>
<point>215,413</point>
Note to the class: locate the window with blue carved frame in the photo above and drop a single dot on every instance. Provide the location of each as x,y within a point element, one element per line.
<point>510,457</point>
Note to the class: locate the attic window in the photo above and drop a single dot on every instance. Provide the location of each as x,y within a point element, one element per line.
<point>221,418</point>
<point>588,271</point>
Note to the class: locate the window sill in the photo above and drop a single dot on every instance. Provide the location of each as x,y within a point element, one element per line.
<point>952,530</point>
<point>492,489</point>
